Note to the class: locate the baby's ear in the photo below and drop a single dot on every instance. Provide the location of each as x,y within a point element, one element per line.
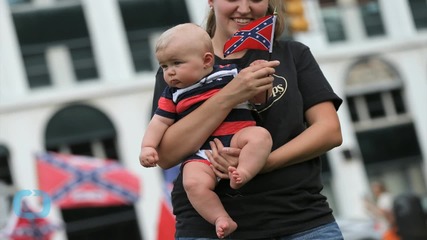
<point>209,59</point>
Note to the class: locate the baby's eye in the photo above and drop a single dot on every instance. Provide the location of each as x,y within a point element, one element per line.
<point>164,66</point>
<point>177,63</point>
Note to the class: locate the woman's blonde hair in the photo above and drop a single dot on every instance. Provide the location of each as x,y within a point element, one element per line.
<point>272,5</point>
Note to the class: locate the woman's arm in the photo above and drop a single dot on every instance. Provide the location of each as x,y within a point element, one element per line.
<point>188,134</point>
<point>323,133</point>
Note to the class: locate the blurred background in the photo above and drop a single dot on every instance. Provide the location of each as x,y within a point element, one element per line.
<point>77,77</point>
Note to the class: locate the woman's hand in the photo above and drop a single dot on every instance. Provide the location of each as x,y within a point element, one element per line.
<point>222,157</point>
<point>250,81</point>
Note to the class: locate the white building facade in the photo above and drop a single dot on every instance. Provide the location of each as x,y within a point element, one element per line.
<point>77,76</point>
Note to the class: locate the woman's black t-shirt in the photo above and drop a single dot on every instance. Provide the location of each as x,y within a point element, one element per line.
<point>287,200</point>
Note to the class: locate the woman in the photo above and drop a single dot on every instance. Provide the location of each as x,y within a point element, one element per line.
<point>284,202</point>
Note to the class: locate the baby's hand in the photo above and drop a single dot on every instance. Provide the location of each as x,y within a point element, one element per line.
<point>148,157</point>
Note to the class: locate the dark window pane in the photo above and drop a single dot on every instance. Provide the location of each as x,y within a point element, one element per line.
<point>86,74</point>
<point>36,67</point>
<point>53,148</point>
<point>352,107</point>
<point>39,81</point>
<point>110,148</point>
<point>140,49</point>
<point>388,144</point>
<point>371,15</point>
<point>398,101</point>
<point>76,124</point>
<point>5,175</point>
<point>326,168</point>
<point>327,2</point>
<point>419,13</point>
<point>83,60</point>
<point>81,149</point>
<point>102,223</point>
<point>375,105</point>
<point>332,19</point>
<point>334,29</point>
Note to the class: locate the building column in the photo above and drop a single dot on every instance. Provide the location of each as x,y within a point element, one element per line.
<point>415,77</point>
<point>108,38</point>
<point>315,37</point>
<point>349,179</point>
<point>60,66</point>
<point>148,207</point>
<point>13,82</point>
<point>352,20</point>
<point>397,18</point>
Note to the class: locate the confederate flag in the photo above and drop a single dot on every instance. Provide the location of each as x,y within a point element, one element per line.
<point>35,228</point>
<point>80,181</point>
<point>166,222</point>
<point>258,34</point>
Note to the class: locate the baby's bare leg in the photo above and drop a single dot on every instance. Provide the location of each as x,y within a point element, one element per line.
<point>199,182</point>
<point>255,143</point>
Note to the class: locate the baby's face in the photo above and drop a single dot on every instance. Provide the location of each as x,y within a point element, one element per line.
<point>181,66</point>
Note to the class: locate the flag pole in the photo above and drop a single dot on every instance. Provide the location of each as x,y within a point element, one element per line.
<point>270,50</point>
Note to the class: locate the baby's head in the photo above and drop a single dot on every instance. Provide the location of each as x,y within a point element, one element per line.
<point>185,53</point>
<point>186,35</point>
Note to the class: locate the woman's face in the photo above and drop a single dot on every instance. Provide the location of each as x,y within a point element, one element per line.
<point>231,15</point>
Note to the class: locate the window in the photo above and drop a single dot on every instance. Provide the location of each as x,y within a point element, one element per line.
<point>39,29</point>
<point>83,60</point>
<point>384,129</point>
<point>331,15</point>
<point>375,105</point>
<point>389,144</point>
<point>374,94</point>
<point>371,15</point>
<point>83,130</point>
<point>36,66</point>
<point>157,17</point>
<point>419,13</point>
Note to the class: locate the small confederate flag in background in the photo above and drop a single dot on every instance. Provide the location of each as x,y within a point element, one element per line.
<point>80,181</point>
<point>36,228</point>
<point>258,34</point>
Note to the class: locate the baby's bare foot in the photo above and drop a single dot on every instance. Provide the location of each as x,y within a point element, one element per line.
<point>237,179</point>
<point>224,226</point>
